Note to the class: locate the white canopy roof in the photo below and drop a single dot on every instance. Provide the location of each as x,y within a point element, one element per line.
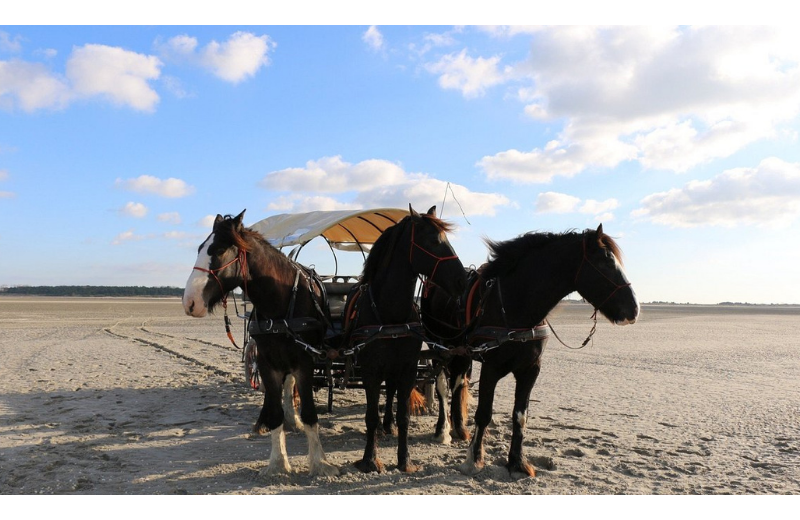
<point>346,230</point>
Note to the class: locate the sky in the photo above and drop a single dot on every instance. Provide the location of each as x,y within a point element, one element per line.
<point>120,144</point>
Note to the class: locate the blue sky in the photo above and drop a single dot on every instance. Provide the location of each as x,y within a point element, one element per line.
<point>119,144</point>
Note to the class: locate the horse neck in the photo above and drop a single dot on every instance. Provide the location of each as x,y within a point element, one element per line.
<point>545,276</point>
<point>270,279</point>
<point>393,291</point>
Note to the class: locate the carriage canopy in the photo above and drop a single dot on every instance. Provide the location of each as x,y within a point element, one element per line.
<point>346,230</point>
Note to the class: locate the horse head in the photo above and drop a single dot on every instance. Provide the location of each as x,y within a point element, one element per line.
<point>220,267</point>
<point>601,279</point>
<point>430,252</point>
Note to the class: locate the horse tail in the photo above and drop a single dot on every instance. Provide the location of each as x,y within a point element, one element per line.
<point>416,403</point>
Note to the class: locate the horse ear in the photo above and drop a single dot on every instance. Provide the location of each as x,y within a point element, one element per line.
<point>411,210</point>
<point>239,218</point>
<point>217,221</point>
<point>432,211</point>
<point>600,235</point>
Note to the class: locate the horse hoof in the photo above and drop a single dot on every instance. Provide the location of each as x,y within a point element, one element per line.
<point>276,469</point>
<point>521,470</point>
<point>443,438</point>
<point>369,466</point>
<point>390,430</point>
<point>324,469</point>
<point>260,429</point>
<point>469,469</point>
<point>409,468</point>
<point>462,435</point>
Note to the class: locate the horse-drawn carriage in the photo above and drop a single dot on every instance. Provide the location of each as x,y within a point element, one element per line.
<point>495,316</point>
<point>352,231</point>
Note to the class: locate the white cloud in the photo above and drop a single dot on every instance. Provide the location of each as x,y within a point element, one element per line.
<point>114,73</point>
<point>302,204</point>
<point>234,60</point>
<point>373,38</point>
<point>134,209</point>
<point>472,76</point>
<point>171,218</point>
<point>170,188</point>
<point>207,221</point>
<point>126,236</point>
<point>370,183</point>
<point>9,44</point>
<point>671,98</point>
<point>553,202</point>
<point>30,86</point>
<point>768,194</point>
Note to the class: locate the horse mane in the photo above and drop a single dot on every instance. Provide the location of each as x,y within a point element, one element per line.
<point>505,256</point>
<point>381,249</point>
<point>379,254</point>
<point>244,239</point>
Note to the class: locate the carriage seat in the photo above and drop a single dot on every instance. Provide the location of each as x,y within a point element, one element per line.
<point>337,291</point>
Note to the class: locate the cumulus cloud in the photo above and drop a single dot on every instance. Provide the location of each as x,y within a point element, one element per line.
<point>373,38</point>
<point>126,236</point>
<point>114,73</point>
<point>134,209</point>
<point>553,202</point>
<point>768,194</point>
<point>170,188</point>
<point>370,183</point>
<point>171,218</point>
<point>234,60</point>
<point>31,86</point>
<point>207,221</point>
<point>671,98</point>
<point>9,43</point>
<point>472,76</point>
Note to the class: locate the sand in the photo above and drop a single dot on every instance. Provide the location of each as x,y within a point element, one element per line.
<point>130,396</point>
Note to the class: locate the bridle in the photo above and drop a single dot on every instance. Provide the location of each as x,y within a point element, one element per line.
<point>617,287</point>
<point>241,258</point>
<point>439,259</point>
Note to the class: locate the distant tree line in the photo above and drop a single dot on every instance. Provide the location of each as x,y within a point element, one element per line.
<point>92,290</point>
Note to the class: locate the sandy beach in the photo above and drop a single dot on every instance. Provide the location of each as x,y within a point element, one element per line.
<point>130,396</point>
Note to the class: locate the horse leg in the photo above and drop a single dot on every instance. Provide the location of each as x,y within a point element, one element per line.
<point>407,380</point>
<point>442,433</point>
<point>389,427</point>
<point>522,394</point>
<point>317,463</point>
<point>290,417</point>
<point>483,416</point>
<point>272,413</point>
<point>370,461</point>
<point>460,370</point>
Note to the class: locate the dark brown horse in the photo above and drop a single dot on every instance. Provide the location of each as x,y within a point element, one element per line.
<point>288,323</point>
<point>386,334</point>
<point>444,322</point>
<point>505,310</point>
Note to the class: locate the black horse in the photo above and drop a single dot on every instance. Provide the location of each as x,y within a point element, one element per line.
<point>444,322</point>
<point>288,323</point>
<point>505,307</point>
<point>385,333</point>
